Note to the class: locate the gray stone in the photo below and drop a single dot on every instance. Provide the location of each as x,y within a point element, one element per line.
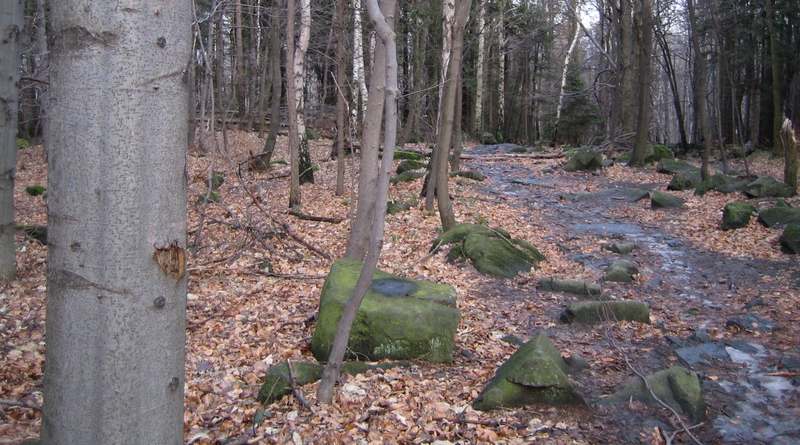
<point>661,200</point>
<point>768,187</point>
<point>621,247</point>
<point>675,386</point>
<point>750,322</point>
<point>621,271</point>
<point>591,312</point>
<point>577,287</point>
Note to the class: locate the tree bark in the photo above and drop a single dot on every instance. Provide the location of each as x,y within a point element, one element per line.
<point>277,83</point>
<point>669,67</point>
<point>358,244</point>
<point>304,157</point>
<point>340,97</point>
<point>641,146</point>
<point>116,279</point>
<point>789,142</point>
<point>383,24</point>
<point>480,62</point>
<point>291,105</point>
<point>700,86</point>
<point>574,30</point>
<point>239,65</point>
<point>358,62</point>
<point>776,87</point>
<point>10,29</point>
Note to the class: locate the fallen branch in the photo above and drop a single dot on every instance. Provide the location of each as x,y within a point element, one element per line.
<point>289,276</point>
<point>305,216</point>
<point>296,391</point>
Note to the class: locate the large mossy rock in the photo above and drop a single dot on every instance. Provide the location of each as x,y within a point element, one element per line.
<point>586,160</point>
<point>722,183</point>
<point>408,155</point>
<point>408,165</point>
<point>768,187</point>
<point>407,176</point>
<point>790,239</point>
<point>684,181</point>
<point>469,174</point>
<point>535,374</point>
<point>591,312</point>
<point>621,247</point>
<point>398,319</point>
<point>576,287</point>
<point>661,200</point>
<point>659,152</point>
<point>673,166</point>
<point>779,216</point>
<point>621,271</point>
<point>675,386</point>
<point>736,215</point>
<point>491,251</point>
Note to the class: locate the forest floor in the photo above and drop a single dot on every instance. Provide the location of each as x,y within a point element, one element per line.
<point>253,293</point>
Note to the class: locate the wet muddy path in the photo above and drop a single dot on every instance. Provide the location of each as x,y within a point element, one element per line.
<point>751,388</point>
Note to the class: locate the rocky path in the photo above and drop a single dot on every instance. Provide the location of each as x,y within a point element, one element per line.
<point>751,388</point>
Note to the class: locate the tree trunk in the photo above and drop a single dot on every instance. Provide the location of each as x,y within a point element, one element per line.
<point>775,62</point>
<point>458,130</point>
<point>239,65</point>
<point>116,280</point>
<point>480,62</point>
<point>358,243</point>
<point>448,106</point>
<point>669,67</point>
<point>383,24</point>
<point>291,105</point>
<point>644,33</point>
<point>304,157</point>
<point>277,83</point>
<point>10,28</point>
<point>574,30</point>
<point>340,96</point>
<point>789,142</point>
<point>358,62</point>
<point>699,82</point>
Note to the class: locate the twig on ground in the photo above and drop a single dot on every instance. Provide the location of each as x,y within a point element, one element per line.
<point>295,390</point>
<point>307,217</point>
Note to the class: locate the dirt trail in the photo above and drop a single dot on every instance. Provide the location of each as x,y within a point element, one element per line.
<point>748,400</point>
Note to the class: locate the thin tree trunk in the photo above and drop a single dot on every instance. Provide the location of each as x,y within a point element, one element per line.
<point>480,62</point>
<point>304,156</point>
<point>116,279</point>
<point>358,244</point>
<point>383,24</point>
<point>291,104</point>
<point>448,114</point>
<point>240,85</point>
<point>277,83</point>
<point>458,131</point>
<point>358,61</point>
<point>641,146</point>
<point>789,142</point>
<point>221,93</point>
<point>340,98</point>
<point>700,85</point>
<point>776,87</point>
<point>567,59</point>
<point>10,30</point>
<point>673,85</point>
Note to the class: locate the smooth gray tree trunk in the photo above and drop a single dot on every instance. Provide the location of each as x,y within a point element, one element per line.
<point>116,304</point>
<point>10,28</point>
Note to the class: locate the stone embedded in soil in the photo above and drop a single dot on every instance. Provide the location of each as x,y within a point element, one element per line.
<point>621,247</point>
<point>684,181</point>
<point>768,187</point>
<point>585,160</point>
<point>675,386</point>
<point>779,216</point>
<point>704,353</point>
<point>673,166</point>
<point>398,319</point>
<point>535,374</point>
<point>661,200</point>
<point>790,239</point>
<point>470,174</point>
<point>577,287</point>
<point>409,165</point>
<point>591,312</point>
<point>750,322</point>
<point>722,183</point>
<point>408,176</point>
<point>491,251</point>
<point>408,155</point>
<point>736,215</point>
<point>621,271</point>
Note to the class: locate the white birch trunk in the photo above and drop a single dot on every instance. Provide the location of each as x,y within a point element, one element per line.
<point>10,30</point>
<point>567,60</point>
<point>116,303</point>
<point>358,57</point>
<point>300,67</point>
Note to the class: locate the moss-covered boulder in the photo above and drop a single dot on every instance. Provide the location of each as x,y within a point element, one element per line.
<point>398,319</point>
<point>407,176</point>
<point>779,216</point>
<point>736,215</point>
<point>469,174</point>
<point>768,187</point>
<point>790,239</point>
<point>488,138</point>
<point>408,165</point>
<point>586,160</point>
<point>661,200</point>
<point>408,155</point>
<point>675,386</point>
<point>686,180</point>
<point>722,183</point>
<point>491,251</point>
<point>621,271</point>
<point>577,287</point>
<point>535,374</point>
<point>621,247</point>
<point>397,206</point>
<point>659,152</point>
<point>672,166</point>
<point>591,312</point>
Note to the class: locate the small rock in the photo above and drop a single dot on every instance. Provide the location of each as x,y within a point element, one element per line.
<point>590,312</point>
<point>577,287</point>
<point>676,386</point>
<point>750,322</point>
<point>621,247</point>
<point>736,215</point>
<point>790,239</point>
<point>661,200</point>
<point>621,271</point>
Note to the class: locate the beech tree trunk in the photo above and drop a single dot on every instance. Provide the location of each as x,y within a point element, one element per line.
<point>10,29</point>
<point>644,33</point>
<point>383,23</point>
<point>480,62</point>
<point>291,105</point>
<point>340,98</point>
<point>277,83</point>
<point>700,87</point>
<point>358,243</point>
<point>789,142</point>
<point>116,279</point>
<point>775,62</point>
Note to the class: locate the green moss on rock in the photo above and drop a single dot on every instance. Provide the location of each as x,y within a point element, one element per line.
<point>790,239</point>
<point>661,200</point>
<point>408,176</point>
<point>23,143</point>
<point>35,190</point>
<point>591,312</point>
<point>535,374</point>
<point>586,160</point>
<point>659,152</point>
<point>394,207</point>
<point>736,215</point>
<point>576,287</point>
<point>470,174</point>
<point>408,165</point>
<point>672,166</point>
<point>779,216</point>
<point>684,181</point>
<point>398,319</point>
<point>722,183</point>
<point>408,155</point>
<point>621,271</point>
<point>768,187</point>
<point>676,386</point>
<point>621,247</point>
